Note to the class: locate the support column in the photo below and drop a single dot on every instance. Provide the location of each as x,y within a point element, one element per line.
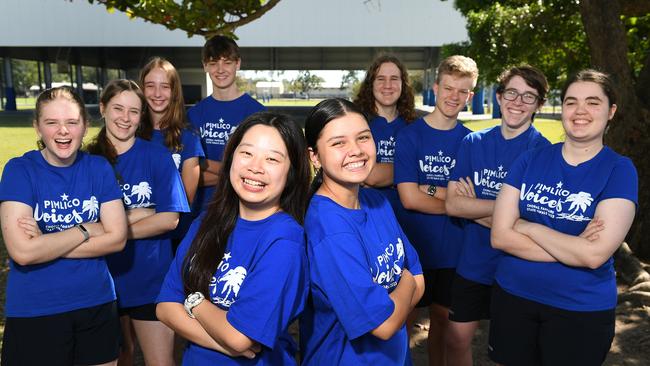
<point>47,74</point>
<point>79,79</point>
<point>496,110</point>
<point>10,92</point>
<point>477,102</point>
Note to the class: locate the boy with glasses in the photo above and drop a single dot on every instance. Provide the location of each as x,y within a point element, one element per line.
<point>483,161</point>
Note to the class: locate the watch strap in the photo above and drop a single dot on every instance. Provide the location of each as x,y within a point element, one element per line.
<point>84,231</point>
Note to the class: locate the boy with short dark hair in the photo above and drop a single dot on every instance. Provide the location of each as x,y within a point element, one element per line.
<point>216,116</point>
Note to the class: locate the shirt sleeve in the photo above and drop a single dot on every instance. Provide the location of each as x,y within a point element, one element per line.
<point>16,184</point>
<point>406,161</point>
<point>273,294</point>
<point>623,182</point>
<point>340,271</point>
<point>110,188</point>
<point>192,145</point>
<point>412,261</point>
<point>463,166</point>
<point>516,172</point>
<point>169,194</point>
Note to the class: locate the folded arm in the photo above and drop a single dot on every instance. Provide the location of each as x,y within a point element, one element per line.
<point>380,176</point>
<point>617,215</point>
<point>209,172</point>
<point>174,316</point>
<point>503,233</point>
<point>413,198</point>
<point>402,296</point>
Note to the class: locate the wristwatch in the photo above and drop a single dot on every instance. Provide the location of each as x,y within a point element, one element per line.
<point>84,231</point>
<point>431,191</point>
<point>193,300</point>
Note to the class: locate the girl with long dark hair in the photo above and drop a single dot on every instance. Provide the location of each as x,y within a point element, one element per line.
<point>365,275</point>
<point>240,275</point>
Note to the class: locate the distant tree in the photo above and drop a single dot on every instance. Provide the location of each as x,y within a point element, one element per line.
<point>349,80</point>
<point>306,82</point>
<point>203,17</point>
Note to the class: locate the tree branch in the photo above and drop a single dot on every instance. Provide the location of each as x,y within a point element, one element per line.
<point>634,8</point>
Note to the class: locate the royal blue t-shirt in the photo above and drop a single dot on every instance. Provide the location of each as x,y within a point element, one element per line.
<point>61,197</point>
<point>356,259</point>
<point>149,179</point>
<point>385,135</point>
<point>191,146</point>
<point>564,198</point>
<point>262,282</point>
<point>425,155</point>
<point>216,120</point>
<point>486,156</point>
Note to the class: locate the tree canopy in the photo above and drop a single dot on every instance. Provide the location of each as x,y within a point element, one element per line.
<point>203,17</point>
<point>548,34</point>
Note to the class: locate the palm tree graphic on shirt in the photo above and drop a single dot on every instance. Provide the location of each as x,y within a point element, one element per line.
<point>91,206</point>
<point>579,201</point>
<point>233,280</point>
<point>142,190</point>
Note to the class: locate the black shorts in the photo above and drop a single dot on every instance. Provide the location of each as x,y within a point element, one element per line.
<point>86,336</point>
<point>141,312</point>
<point>524,332</point>
<point>470,300</point>
<point>437,287</point>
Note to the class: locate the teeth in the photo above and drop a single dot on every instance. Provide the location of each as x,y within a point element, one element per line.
<point>62,141</point>
<point>355,165</point>
<point>253,182</point>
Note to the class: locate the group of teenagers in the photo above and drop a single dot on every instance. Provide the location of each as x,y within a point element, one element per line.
<point>348,227</point>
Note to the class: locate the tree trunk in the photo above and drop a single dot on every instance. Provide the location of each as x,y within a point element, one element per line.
<point>628,134</point>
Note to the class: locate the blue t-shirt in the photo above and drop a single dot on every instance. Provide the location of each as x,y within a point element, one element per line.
<point>191,146</point>
<point>148,178</point>
<point>216,120</point>
<point>262,281</point>
<point>486,156</point>
<point>425,155</point>
<point>356,259</point>
<point>385,134</point>
<point>61,197</point>
<point>564,198</point>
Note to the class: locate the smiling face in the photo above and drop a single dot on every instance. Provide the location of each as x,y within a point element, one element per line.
<point>345,151</point>
<point>516,116</point>
<point>387,86</point>
<point>61,127</point>
<point>452,94</point>
<point>122,116</point>
<point>259,170</point>
<point>585,112</point>
<point>157,90</point>
<point>222,72</point>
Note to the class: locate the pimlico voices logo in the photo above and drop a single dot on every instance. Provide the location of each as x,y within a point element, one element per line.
<point>556,201</point>
<point>217,132</point>
<point>387,266</point>
<point>490,179</point>
<point>58,215</point>
<point>437,166</point>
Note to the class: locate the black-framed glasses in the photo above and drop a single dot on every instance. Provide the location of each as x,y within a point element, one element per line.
<point>526,98</point>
